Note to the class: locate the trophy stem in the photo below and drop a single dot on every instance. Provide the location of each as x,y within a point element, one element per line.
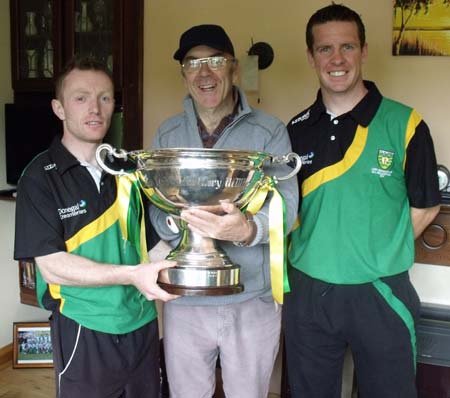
<point>203,268</point>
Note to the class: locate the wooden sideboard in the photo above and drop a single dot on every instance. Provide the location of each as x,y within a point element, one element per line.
<point>27,280</point>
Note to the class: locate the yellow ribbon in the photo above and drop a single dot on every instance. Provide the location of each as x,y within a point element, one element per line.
<point>124,191</point>
<point>278,272</point>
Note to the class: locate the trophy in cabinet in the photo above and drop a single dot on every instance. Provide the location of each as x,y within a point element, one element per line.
<point>175,179</point>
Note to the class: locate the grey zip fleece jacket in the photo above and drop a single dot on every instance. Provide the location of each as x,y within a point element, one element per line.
<point>252,130</point>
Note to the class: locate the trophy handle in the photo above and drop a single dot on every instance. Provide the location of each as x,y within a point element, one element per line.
<point>286,159</point>
<point>120,154</point>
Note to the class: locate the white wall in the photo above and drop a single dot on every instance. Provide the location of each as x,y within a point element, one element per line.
<point>432,283</point>
<point>12,310</point>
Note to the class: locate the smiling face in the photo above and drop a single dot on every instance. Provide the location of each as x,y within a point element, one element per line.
<point>211,90</point>
<point>337,57</point>
<point>85,106</point>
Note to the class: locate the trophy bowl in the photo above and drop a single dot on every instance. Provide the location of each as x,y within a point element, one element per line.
<point>180,178</point>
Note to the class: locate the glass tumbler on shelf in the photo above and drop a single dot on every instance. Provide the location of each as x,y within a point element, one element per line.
<point>30,26</point>
<point>85,21</point>
<point>32,59</point>
<point>47,17</point>
<point>47,64</point>
<point>99,9</point>
<point>77,21</point>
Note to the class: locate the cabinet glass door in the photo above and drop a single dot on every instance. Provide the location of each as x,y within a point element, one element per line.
<point>36,39</point>
<point>95,25</point>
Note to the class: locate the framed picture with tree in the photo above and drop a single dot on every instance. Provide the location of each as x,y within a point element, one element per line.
<point>420,27</point>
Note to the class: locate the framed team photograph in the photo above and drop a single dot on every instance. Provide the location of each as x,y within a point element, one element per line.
<point>32,345</point>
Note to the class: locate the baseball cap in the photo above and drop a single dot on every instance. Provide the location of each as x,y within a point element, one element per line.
<point>213,36</point>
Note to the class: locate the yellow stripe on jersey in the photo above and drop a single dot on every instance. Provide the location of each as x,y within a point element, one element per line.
<point>55,292</point>
<point>96,227</point>
<point>413,122</point>
<point>336,170</point>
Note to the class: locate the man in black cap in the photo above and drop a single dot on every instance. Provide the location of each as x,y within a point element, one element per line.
<point>242,328</point>
<point>204,35</point>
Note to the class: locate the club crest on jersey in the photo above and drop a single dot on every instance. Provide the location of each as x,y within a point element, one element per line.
<point>385,159</point>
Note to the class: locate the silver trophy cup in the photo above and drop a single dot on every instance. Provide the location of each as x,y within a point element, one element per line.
<point>175,179</point>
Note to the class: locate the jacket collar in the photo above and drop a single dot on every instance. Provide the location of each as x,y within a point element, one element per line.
<point>243,109</point>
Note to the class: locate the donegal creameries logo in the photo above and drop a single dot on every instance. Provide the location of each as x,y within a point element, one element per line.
<point>385,160</point>
<point>72,211</point>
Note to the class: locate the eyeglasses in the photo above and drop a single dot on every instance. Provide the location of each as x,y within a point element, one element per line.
<point>215,63</point>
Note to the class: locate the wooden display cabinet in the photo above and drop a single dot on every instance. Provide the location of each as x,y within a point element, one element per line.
<point>27,280</point>
<point>46,34</point>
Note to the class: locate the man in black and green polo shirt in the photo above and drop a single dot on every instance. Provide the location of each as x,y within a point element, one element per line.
<point>368,187</point>
<point>86,232</point>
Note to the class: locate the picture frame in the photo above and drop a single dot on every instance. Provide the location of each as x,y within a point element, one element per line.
<point>420,28</point>
<point>32,346</point>
<point>27,279</point>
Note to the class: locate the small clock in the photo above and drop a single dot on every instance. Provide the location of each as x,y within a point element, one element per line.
<point>443,177</point>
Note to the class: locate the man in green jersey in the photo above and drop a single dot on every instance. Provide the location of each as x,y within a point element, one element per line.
<point>368,187</point>
<point>85,229</point>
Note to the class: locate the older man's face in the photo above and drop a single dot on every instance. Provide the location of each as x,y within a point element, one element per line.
<point>210,88</point>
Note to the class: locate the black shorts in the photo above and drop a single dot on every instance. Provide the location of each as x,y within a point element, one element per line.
<point>91,364</point>
<point>376,320</point>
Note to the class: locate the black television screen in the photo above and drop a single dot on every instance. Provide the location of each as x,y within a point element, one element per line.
<point>29,130</point>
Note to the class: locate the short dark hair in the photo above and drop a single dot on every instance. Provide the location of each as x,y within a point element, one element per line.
<point>80,63</point>
<point>334,12</point>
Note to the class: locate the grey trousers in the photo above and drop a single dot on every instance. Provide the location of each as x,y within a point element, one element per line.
<point>246,336</point>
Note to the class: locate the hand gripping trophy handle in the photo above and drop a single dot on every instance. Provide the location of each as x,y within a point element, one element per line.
<point>178,178</point>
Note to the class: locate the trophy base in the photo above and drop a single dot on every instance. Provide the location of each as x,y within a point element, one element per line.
<point>201,281</point>
<point>200,291</point>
